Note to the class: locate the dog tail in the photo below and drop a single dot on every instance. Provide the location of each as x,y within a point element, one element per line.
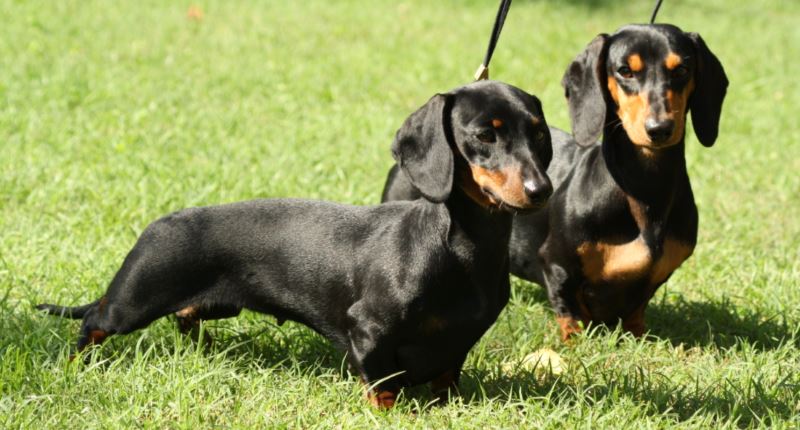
<point>75,312</point>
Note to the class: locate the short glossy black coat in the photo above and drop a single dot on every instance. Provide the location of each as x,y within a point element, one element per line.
<point>595,182</point>
<point>403,288</point>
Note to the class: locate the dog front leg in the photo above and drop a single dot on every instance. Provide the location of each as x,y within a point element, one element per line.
<point>373,355</point>
<point>446,384</point>
<point>563,297</point>
<point>379,373</point>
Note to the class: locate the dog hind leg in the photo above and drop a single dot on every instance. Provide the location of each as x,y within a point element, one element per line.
<point>189,318</point>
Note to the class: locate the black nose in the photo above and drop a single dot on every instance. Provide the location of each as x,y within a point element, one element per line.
<point>659,131</point>
<point>538,191</point>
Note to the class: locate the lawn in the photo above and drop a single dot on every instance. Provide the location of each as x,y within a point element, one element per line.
<point>114,113</point>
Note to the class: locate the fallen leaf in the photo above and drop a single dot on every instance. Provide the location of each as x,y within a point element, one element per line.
<point>541,363</point>
<point>195,13</point>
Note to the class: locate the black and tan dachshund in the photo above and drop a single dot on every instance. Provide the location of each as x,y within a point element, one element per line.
<point>622,217</point>
<point>405,289</point>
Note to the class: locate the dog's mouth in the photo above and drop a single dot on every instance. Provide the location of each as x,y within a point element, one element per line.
<point>485,195</point>
<point>655,145</point>
<point>500,204</point>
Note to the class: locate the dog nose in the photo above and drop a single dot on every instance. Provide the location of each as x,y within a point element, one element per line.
<point>538,191</point>
<point>659,131</point>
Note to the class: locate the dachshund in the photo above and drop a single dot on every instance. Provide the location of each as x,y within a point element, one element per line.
<point>403,289</point>
<point>622,217</point>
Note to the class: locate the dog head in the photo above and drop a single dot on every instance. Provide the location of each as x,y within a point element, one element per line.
<point>649,76</point>
<point>489,138</point>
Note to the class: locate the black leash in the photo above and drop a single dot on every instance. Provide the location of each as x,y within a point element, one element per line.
<point>655,12</point>
<point>500,19</point>
<point>483,70</point>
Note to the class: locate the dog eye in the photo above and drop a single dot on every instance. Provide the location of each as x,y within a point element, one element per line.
<point>540,136</point>
<point>625,72</point>
<point>680,71</point>
<point>486,136</point>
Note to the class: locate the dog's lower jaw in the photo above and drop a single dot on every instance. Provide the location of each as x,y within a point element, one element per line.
<point>487,200</point>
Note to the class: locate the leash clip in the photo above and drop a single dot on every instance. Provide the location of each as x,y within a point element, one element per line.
<point>482,73</point>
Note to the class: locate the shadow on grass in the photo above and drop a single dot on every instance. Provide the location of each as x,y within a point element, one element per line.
<point>260,343</point>
<point>719,323</point>
<point>291,346</point>
<point>285,346</point>
<point>658,396</point>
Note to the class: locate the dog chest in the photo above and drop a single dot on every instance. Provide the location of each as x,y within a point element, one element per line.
<point>610,262</point>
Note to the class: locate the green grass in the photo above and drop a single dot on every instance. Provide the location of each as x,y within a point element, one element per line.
<point>114,113</point>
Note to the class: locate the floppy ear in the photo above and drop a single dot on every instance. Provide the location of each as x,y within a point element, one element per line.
<point>421,149</point>
<point>584,87</point>
<point>710,85</point>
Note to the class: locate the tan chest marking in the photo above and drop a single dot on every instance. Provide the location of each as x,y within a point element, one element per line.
<point>675,253</point>
<point>610,262</point>
<point>631,261</point>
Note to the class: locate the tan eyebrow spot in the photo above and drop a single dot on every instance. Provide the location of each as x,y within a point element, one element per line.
<point>497,123</point>
<point>673,60</point>
<point>535,120</point>
<point>635,63</point>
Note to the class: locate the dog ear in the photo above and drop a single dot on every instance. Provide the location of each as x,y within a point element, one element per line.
<point>710,85</point>
<point>421,149</point>
<point>584,86</point>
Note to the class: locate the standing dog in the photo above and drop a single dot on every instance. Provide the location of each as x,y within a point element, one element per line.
<point>404,289</point>
<point>622,217</point>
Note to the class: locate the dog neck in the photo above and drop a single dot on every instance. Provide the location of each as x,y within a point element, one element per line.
<point>651,176</point>
<point>650,180</point>
<point>487,229</point>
